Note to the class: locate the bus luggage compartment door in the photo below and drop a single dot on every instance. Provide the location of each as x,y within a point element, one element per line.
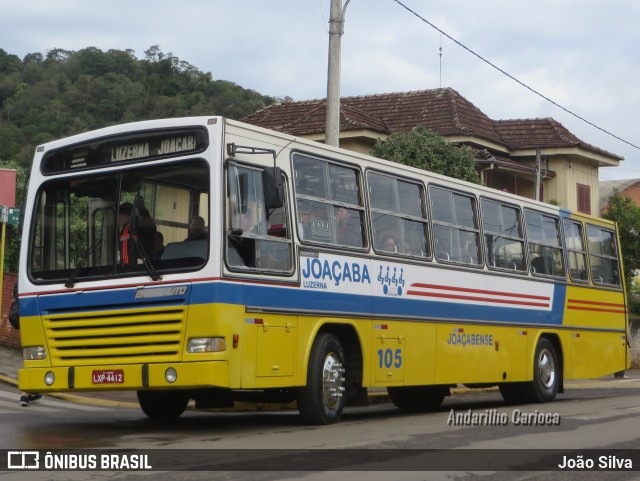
<point>275,345</point>
<point>388,357</point>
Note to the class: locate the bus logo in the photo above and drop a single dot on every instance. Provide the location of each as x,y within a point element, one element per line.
<point>153,292</point>
<point>23,460</point>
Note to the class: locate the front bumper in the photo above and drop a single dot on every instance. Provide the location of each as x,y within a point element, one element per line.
<point>191,375</point>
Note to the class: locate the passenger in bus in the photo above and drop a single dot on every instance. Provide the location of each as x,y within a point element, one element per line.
<point>541,265</point>
<point>158,246</point>
<point>347,232</point>
<point>133,228</point>
<point>413,249</point>
<point>197,229</point>
<point>388,243</point>
<point>144,224</point>
<point>126,237</point>
<point>304,225</point>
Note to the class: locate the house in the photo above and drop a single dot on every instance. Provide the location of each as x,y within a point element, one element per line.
<point>627,188</point>
<point>505,149</point>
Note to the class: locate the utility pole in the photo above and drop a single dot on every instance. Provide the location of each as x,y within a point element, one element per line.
<point>538,172</point>
<point>440,55</point>
<point>336,29</point>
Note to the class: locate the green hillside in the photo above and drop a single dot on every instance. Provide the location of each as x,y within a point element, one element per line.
<point>62,92</point>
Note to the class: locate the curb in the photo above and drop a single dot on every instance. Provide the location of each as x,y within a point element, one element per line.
<point>75,397</point>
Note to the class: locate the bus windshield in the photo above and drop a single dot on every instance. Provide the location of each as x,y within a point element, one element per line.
<point>131,222</point>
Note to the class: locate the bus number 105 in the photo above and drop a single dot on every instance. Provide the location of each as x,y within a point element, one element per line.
<point>389,358</point>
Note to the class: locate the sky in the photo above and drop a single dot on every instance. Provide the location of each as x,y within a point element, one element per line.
<point>582,54</point>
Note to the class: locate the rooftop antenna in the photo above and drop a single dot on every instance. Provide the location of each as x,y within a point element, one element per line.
<point>440,55</point>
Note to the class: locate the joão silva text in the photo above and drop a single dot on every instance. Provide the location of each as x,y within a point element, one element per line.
<point>604,462</point>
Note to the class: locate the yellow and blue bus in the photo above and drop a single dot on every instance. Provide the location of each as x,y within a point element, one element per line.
<point>312,274</point>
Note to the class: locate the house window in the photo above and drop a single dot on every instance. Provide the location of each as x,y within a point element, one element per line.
<point>584,198</point>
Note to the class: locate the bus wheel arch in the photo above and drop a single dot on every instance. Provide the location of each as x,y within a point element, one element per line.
<point>334,374</point>
<point>418,398</point>
<point>547,372</point>
<point>163,404</point>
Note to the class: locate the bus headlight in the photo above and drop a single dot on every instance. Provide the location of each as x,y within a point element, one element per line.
<point>206,344</point>
<point>49,378</point>
<point>34,353</point>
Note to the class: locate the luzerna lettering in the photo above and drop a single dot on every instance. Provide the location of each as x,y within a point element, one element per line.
<point>177,144</point>
<point>128,152</point>
<point>336,271</point>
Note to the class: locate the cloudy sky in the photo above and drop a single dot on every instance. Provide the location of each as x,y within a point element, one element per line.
<point>583,54</point>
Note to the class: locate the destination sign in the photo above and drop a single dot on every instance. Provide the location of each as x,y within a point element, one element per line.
<point>140,150</point>
<point>130,147</point>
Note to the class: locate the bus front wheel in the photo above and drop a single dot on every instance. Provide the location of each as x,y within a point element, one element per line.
<point>322,400</point>
<point>163,404</point>
<point>546,374</point>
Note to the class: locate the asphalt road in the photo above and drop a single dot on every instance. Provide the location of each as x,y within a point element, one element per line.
<point>377,442</point>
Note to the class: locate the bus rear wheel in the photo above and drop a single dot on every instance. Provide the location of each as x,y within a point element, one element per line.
<point>322,400</point>
<point>546,374</point>
<point>417,398</point>
<point>163,404</point>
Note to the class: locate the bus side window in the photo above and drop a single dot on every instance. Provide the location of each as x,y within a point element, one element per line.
<point>503,235</point>
<point>397,212</point>
<point>455,226</point>
<point>544,243</point>
<point>257,237</point>
<point>603,256</point>
<point>576,250</point>
<point>329,203</point>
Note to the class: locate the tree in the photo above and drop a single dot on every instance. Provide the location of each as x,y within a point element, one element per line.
<point>427,150</point>
<point>626,214</point>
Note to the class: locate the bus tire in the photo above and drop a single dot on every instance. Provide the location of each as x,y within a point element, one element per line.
<point>163,404</point>
<point>322,400</point>
<point>417,398</point>
<point>546,374</point>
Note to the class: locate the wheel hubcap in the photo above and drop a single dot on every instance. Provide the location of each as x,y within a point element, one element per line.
<point>332,380</point>
<point>547,369</point>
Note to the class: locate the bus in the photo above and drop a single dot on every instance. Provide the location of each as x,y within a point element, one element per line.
<point>317,274</point>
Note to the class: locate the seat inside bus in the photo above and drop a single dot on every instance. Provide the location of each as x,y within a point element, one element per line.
<point>181,250</point>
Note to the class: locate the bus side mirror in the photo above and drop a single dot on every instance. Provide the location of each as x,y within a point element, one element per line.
<point>273,187</point>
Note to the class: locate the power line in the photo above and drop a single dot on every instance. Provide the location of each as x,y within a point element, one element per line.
<point>514,78</point>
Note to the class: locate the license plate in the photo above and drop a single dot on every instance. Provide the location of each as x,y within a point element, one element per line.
<point>115,376</point>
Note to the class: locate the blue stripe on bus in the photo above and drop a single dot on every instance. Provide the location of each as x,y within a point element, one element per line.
<point>294,299</point>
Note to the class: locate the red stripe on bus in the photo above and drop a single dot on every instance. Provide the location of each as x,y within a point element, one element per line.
<point>595,303</point>
<point>596,309</point>
<point>480,291</point>
<point>473,298</point>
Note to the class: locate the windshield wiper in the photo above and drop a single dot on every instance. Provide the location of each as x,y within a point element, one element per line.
<point>146,260</point>
<point>72,278</point>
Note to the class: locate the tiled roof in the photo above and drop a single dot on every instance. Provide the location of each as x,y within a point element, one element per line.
<point>442,110</point>
<point>547,132</point>
<point>607,187</point>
